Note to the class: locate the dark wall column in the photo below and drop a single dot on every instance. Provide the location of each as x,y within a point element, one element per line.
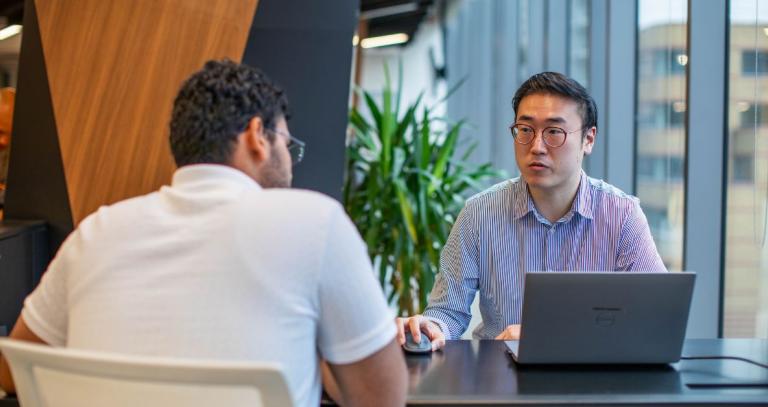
<point>37,187</point>
<point>306,46</point>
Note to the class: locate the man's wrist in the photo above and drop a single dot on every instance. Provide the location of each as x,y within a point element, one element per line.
<point>439,324</point>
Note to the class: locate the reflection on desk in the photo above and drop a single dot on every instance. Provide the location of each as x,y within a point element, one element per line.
<point>552,380</point>
<point>480,372</point>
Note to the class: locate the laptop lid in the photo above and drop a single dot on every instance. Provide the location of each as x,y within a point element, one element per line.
<point>597,318</point>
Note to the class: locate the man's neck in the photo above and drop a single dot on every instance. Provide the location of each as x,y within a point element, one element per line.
<point>554,203</point>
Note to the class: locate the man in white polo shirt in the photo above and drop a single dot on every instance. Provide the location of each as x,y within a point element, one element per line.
<point>225,263</point>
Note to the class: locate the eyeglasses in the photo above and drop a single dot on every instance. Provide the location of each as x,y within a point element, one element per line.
<point>295,146</point>
<point>552,136</point>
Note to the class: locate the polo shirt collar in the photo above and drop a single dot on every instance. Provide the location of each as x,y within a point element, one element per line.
<point>192,176</point>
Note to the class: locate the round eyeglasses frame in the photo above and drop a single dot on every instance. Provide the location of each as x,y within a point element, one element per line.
<point>513,128</point>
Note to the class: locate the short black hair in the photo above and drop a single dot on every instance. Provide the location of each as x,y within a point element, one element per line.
<point>554,83</point>
<point>215,104</point>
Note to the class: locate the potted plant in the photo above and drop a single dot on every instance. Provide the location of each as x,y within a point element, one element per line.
<point>404,187</point>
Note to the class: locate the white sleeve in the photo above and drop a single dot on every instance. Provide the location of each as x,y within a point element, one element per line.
<point>46,311</point>
<point>355,321</point>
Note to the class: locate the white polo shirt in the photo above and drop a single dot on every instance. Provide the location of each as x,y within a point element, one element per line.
<point>216,267</point>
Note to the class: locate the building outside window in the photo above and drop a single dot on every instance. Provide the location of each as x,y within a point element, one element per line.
<point>745,302</point>
<point>660,118</point>
<point>754,62</point>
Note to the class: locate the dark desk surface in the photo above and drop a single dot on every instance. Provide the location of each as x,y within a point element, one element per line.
<point>480,372</point>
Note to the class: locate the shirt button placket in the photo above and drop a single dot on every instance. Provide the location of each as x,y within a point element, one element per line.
<point>551,255</point>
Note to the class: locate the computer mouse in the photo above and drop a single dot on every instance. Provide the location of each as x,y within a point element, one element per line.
<point>423,346</point>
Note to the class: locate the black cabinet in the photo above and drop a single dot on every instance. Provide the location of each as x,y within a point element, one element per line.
<point>23,258</point>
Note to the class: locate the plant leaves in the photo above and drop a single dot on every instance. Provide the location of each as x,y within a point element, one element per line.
<point>406,209</point>
<point>443,156</point>
<point>403,188</point>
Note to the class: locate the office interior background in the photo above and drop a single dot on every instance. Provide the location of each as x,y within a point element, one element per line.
<point>642,61</point>
<point>683,119</point>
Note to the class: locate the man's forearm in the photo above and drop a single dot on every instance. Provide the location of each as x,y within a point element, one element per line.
<point>330,385</point>
<point>378,380</point>
<point>6,381</point>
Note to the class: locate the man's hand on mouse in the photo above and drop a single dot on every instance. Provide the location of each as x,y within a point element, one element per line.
<point>510,333</point>
<point>417,325</point>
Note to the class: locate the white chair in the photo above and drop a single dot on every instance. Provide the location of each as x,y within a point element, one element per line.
<point>57,377</point>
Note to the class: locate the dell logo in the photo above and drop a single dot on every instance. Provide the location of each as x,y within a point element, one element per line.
<point>605,319</point>
<point>606,316</point>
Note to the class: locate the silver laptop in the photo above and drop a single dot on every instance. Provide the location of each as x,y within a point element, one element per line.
<point>603,318</point>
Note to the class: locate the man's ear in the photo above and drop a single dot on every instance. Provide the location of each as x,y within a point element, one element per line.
<point>255,139</point>
<point>589,140</point>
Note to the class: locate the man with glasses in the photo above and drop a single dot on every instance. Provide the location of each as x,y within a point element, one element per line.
<point>225,263</point>
<point>551,218</point>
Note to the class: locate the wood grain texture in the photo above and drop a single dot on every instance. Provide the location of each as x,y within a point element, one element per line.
<point>114,68</point>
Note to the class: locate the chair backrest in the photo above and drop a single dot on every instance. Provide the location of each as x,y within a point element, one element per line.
<point>46,377</point>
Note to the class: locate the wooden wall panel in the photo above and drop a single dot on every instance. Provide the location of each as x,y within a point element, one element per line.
<point>114,68</point>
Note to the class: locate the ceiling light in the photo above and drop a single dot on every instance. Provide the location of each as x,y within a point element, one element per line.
<point>384,40</point>
<point>9,31</point>
<point>682,59</point>
<point>355,40</point>
<point>765,31</point>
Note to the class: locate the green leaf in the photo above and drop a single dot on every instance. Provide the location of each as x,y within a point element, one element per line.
<point>387,122</point>
<point>442,157</point>
<point>469,152</point>
<point>424,146</point>
<point>372,107</point>
<point>399,161</point>
<point>400,86</point>
<point>450,92</point>
<point>406,122</point>
<point>406,209</point>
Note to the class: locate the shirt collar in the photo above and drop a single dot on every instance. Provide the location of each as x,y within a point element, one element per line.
<point>213,176</point>
<point>523,202</point>
<point>583,202</point>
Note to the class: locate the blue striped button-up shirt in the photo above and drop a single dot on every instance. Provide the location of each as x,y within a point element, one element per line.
<point>499,235</point>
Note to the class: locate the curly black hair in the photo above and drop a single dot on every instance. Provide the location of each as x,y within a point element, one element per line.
<point>215,104</point>
<point>555,83</point>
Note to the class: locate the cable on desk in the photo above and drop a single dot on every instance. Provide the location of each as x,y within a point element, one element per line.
<point>764,366</point>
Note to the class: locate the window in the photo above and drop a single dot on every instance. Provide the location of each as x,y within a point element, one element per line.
<point>659,169</point>
<point>743,168</point>
<point>657,217</point>
<point>754,62</point>
<point>578,49</point>
<point>670,61</point>
<point>751,114</point>
<point>661,115</point>
<point>745,299</point>
<point>661,134</point>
